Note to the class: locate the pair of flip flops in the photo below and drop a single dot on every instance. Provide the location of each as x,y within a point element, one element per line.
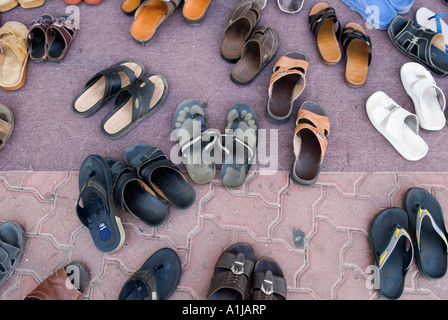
<point>193,139</point>
<point>393,248</point>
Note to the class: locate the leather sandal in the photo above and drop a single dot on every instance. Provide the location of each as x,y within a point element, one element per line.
<point>233,271</point>
<point>322,21</point>
<point>148,18</point>
<point>257,52</point>
<point>268,282</point>
<point>6,124</point>
<point>28,4</point>
<point>106,84</point>
<point>60,36</point>
<point>133,104</point>
<point>37,37</point>
<point>242,20</point>
<point>286,85</point>
<point>130,6</point>
<point>358,51</point>
<point>310,143</point>
<point>6,5</point>
<point>194,11</point>
<point>13,55</point>
<point>134,196</point>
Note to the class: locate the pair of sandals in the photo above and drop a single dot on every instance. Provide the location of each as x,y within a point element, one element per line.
<point>136,187</point>
<point>197,143</point>
<point>357,46</point>
<point>393,247</point>
<point>137,96</point>
<point>237,276</point>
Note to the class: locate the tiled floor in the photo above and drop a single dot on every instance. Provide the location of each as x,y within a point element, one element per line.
<point>318,234</point>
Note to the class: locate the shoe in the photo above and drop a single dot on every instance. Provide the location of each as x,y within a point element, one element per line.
<point>378,13</point>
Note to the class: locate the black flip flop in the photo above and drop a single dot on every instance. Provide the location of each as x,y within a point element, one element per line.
<point>98,212</point>
<point>388,241</point>
<point>12,243</point>
<point>156,279</point>
<point>430,234</point>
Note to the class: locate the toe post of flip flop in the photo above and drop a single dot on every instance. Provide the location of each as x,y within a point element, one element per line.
<point>6,124</point>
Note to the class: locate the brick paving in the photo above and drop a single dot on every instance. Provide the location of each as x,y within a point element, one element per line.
<point>318,234</point>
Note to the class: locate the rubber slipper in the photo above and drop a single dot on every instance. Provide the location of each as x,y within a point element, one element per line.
<point>241,139</point>
<point>194,11</point>
<point>401,6</point>
<point>192,137</point>
<point>38,37</point>
<point>157,278</point>
<point>426,220</point>
<point>134,196</point>
<point>96,207</point>
<point>233,270</point>
<point>268,281</point>
<point>433,21</point>
<point>429,99</point>
<point>378,13</point>
<point>290,6</point>
<point>162,175</point>
<point>6,124</point>
<point>397,125</point>
<point>389,238</point>
<point>130,6</point>
<point>12,244</point>
<point>67,283</point>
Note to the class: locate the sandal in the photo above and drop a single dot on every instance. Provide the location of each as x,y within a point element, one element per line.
<point>13,55</point>
<point>157,278</point>
<point>397,125</point>
<point>268,281</point>
<point>29,4</point>
<point>242,20</point>
<point>194,11</point>
<point>322,21</point>
<point>388,242</point>
<point>286,85</point>
<point>149,15</point>
<point>422,44</point>
<point>290,6</point>
<point>37,37</point>
<point>98,212</point>
<point>358,50</point>
<point>257,52</point>
<point>12,244</point>
<point>133,104</point>
<point>433,21</point>
<point>190,133</point>
<point>105,85</point>
<point>67,283</point>
<point>241,139</point>
<point>130,6</point>
<point>430,234</point>
<point>233,270</point>
<point>60,37</point>
<point>6,124</point>
<point>134,196</point>
<point>158,172</point>
<point>310,143</point>
<point>6,5</point>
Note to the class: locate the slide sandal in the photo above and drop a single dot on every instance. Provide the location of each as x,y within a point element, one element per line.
<point>12,244</point>
<point>429,99</point>
<point>388,242</point>
<point>426,220</point>
<point>401,6</point>
<point>433,21</point>
<point>98,212</point>
<point>157,278</point>
<point>290,6</point>
<point>6,124</point>
<point>268,281</point>
<point>397,125</point>
<point>378,13</point>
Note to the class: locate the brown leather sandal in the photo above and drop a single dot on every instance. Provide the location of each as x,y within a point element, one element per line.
<point>268,282</point>
<point>194,11</point>
<point>310,143</point>
<point>6,124</point>
<point>60,36</point>
<point>232,273</point>
<point>286,85</point>
<point>242,20</point>
<point>37,37</point>
<point>257,52</point>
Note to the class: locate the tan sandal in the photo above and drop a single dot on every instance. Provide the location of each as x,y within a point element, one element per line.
<point>6,5</point>
<point>28,4</point>
<point>6,124</point>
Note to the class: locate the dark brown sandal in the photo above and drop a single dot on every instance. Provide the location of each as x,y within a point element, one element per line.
<point>232,273</point>
<point>60,36</point>
<point>37,37</point>
<point>268,281</point>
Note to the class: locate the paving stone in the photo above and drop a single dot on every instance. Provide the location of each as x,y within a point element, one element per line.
<point>45,183</point>
<point>369,187</point>
<point>269,187</point>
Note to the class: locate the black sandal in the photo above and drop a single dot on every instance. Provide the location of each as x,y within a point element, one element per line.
<point>12,244</point>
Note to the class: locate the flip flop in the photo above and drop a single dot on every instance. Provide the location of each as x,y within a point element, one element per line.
<point>433,21</point>
<point>426,220</point>
<point>429,99</point>
<point>388,239</point>
<point>268,281</point>
<point>6,124</point>
<point>397,125</point>
<point>12,244</point>
<point>156,279</point>
<point>290,6</point>
<point>95,206</point>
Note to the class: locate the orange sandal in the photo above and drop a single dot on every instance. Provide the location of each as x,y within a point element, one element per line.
<point>130,6</point>
<point>194,11</point>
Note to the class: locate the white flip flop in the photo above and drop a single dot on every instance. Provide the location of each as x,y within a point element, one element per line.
<point>429,99</point>
<point>433,21</point>
<point>397,125</point>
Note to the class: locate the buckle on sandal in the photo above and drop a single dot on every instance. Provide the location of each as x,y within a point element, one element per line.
<point>268,284</point>
<point>238,265</point>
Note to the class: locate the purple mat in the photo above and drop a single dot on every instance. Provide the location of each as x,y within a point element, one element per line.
<point>49,136</point>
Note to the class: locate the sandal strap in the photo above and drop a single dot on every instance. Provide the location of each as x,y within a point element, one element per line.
<point>245,10</point>
<point>67,31</point>
<point>286,66</point>
<point>171,5</point>
<point>315,21</point>
<point>147,156</point>
<point>422,213</point>
<point>15,42</point>
<point>260,37</point>
<point>318,124</point>
<point>349,34</point>
<point>397,233</point>
<point>437,17</point>
<point>266,286</point>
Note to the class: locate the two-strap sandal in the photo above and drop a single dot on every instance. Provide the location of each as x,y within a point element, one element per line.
<point>60,36</point>
<point>6,124</point>
<point>38,37</point>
